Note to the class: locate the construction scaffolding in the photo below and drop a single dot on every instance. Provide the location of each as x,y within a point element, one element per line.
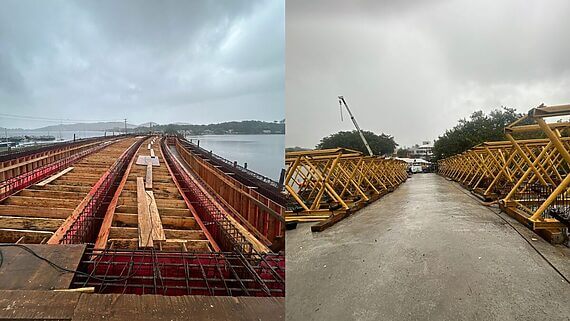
<point>327,185</point>
<point>528,177</point>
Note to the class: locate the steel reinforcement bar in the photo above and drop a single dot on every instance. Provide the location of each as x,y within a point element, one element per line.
<point>528,177</point>
<point>327,185</point>
<point>83,224</point>
<point>35,167</point>
<point>260,215</point>
<point>182,273</point>
<point>229,234</point>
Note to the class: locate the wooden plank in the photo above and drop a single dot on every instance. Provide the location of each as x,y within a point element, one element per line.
<point>30,223</point>
<point>148,179</point>
<point>168,203</point>
<point>37,305</point>
<point>130,209</point>
<point>13,235</point>
<point>168,222</point>
<point>144,221</point>
<point>51,194</point>
<point>49,212</point>
<point>169,244</point>
<point>40,201</point>
<point>166,308</point>
<point>23,271</point>
<point>156,223</point>
<point>131,232</point>
<point>152,152</point>
<point>54,177</point>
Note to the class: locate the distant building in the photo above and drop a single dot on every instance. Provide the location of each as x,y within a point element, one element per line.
<point>267,131</point>
<point>423,151</point>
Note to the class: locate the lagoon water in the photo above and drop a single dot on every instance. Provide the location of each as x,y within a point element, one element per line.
<point>264,154</point>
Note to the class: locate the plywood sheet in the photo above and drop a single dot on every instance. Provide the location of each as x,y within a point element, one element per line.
<point>22,271</point>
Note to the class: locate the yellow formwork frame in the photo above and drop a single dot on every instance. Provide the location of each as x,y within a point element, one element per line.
<point>321,182</point>
<point>530,177</point>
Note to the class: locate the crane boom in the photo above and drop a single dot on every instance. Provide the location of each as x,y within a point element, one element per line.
<point>341,102</point>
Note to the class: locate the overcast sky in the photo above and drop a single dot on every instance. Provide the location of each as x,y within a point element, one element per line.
<point>165,61</point>
<point>413,68</point>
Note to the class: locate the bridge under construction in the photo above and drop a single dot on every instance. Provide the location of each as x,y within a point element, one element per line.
<point>91,225</point>
<point>486,239</point>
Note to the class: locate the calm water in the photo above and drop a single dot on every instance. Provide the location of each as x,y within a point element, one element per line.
<point>264,154</point>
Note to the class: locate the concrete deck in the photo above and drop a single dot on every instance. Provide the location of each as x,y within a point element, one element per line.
<point>427,251</point>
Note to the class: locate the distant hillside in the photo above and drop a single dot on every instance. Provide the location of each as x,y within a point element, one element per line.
<point>233,127</point>
<point>101,126</point>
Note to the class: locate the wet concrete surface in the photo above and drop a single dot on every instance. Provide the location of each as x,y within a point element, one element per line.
<point>427,251</point>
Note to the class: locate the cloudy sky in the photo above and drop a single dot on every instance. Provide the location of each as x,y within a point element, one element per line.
<point>165,61</point>
<point>413,68</point>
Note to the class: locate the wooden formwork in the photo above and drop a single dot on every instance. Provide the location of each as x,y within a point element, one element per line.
<point>12,166</point>
<point>146,190</point>
<point>260,215</point>
<point>529,177</point>
<point>328,184</point>
<point>35,213</point>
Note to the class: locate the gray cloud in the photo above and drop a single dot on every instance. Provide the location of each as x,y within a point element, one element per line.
<point>190,61</point>
<point>413,68</point>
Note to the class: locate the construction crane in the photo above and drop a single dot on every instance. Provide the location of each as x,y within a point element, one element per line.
<point>341,102</point>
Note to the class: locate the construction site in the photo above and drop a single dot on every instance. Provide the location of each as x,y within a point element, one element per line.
<point>486,237</point>
<point>148,225</point>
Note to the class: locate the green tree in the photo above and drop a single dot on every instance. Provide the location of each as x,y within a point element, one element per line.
<point>477,129</point>
<point>402,152</point>
<point>380,144</point>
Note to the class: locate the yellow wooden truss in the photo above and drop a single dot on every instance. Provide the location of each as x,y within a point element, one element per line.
<point>322,181</point>
<point>530,177</point>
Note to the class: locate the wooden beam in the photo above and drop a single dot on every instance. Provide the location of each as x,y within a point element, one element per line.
<point>152,152</point>
<point>28,211</point>
<point>41,201</point>
<point>12,235</point>
<point>148,179</point>
<point>131,232</point>
<point>51,194</point>
<point>30,223</point>
<point>145,224</point>
<point>150,227</point>
<point>54,177</point>
<point>157,229</point>
<point>168,222</point>
<point>174,244</point>
<point>129,209</point>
